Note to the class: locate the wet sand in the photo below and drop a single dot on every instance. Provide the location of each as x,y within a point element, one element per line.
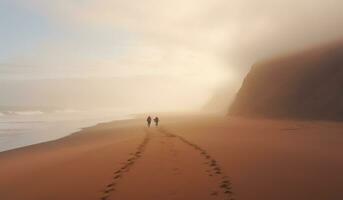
<point>184,158</point>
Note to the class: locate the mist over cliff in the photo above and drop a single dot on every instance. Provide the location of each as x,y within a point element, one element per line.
<point>306,84</point>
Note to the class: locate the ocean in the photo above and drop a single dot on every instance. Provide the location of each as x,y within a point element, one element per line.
<point>23,128</point>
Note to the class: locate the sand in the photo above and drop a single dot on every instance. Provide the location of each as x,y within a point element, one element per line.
<point>184,158</point>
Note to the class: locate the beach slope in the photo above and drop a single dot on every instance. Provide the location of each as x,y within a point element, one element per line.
<point>185,158</point>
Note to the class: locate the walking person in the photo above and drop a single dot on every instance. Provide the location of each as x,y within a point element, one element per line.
<point>156,120</point>
<point>148,121</point>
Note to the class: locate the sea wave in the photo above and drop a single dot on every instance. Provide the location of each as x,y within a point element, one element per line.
<point>18,129</point>
<point>28,112</point>
<point>66,111</point>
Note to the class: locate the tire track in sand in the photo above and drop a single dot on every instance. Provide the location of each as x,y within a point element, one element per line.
<point>119,173</point>
<point>214,170</point>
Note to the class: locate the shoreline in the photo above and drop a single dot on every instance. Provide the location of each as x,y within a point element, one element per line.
<point>201,157</point>
<point>67,133</point>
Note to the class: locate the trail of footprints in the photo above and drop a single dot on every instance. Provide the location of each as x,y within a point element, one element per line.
<point>213,170</point>
<point>126,167</point>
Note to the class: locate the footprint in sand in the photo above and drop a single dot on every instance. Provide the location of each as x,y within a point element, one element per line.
<point>225,185</point>
<point>109,190</point>
<point>130,161</point>
<point>111,185</point>
<point>116,177</point>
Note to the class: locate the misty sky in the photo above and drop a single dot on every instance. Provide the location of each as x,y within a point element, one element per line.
<point>167,54</point>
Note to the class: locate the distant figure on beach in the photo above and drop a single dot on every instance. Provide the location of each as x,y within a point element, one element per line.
<point>149,121</point>
<point>156,120</point>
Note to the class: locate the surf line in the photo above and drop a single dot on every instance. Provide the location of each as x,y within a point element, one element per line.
<point>214,168</point>
<point>118,174</point>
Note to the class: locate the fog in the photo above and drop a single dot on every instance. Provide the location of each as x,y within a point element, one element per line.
<point>134,94</point>
<point>148,54</point>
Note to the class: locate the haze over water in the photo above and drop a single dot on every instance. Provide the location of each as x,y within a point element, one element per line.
<point>23,128</point>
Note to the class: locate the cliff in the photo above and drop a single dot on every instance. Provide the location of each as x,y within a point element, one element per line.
<point>306,85</point>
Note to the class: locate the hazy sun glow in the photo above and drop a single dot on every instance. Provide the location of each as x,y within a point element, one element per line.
<point>149,54</point>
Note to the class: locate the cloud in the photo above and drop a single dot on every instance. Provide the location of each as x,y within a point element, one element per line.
<point>239,31</point>
<point>208,42</point>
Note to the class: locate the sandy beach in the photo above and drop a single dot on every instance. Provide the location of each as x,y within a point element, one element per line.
<point>184,158</point>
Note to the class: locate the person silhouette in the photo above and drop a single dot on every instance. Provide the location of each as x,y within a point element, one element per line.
<point>148,121</point>
<point>156,120</point>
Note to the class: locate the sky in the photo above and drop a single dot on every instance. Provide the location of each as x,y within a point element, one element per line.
<point>148,54</point>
